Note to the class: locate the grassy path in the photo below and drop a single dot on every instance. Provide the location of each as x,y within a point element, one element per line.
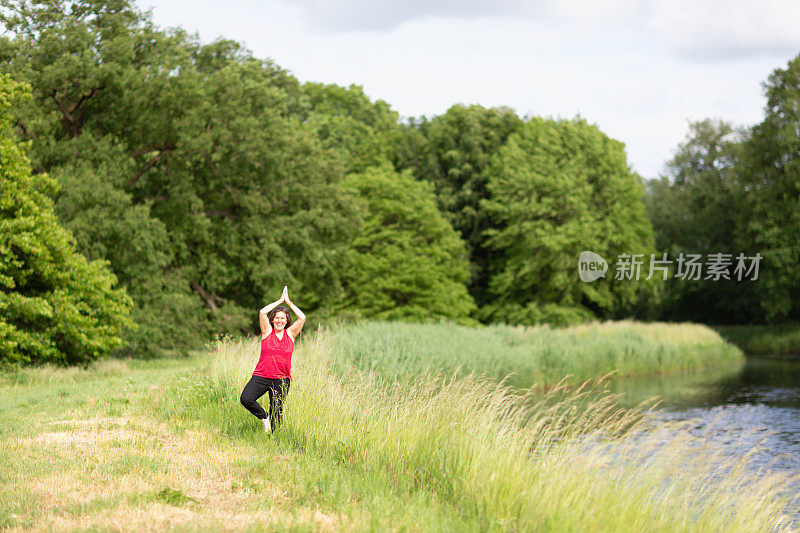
<point>157,445</point>
<point>86,450</point>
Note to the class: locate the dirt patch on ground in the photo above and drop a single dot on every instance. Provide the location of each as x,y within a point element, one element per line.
<point>84,432</point>
<point>82,437</point>
<point>160,517</point>
<point>125,463</point>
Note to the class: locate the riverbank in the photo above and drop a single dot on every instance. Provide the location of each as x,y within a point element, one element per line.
<point>165,444</point>
<point>430,442</point>
<point>781,339</point>
<point>529,355</point>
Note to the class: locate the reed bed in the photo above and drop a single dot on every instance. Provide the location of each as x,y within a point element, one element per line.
<point>528,355</point>
<point>573,461</point>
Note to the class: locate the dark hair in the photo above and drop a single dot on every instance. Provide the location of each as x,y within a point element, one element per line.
<point>286,312</point>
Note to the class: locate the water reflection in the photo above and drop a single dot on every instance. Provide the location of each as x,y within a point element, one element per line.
<point>734,410</point>
<point>772,381</point>
<point>678,391</point>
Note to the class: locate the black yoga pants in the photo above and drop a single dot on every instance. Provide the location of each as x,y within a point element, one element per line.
<point>255,389</point>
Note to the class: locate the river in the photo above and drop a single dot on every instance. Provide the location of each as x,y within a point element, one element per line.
<point>734,409</point>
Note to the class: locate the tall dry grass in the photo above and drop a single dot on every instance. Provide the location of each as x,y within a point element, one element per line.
<point>572,462</point>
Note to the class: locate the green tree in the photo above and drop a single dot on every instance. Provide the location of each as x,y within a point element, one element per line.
<point>406,261</point>
<point>250,197</point>
<point>770,172</point>
<point>55,306</point>
<point>95,206</point>
<point>361,133</point>
<point>459,145</point>
<point>558,188</point>
<point>697,208</point>
<point>199,156</point>
<point>698,191</point>
<point>95,68</point>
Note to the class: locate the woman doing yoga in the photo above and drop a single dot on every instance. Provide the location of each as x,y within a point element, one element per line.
<point>273,371</point>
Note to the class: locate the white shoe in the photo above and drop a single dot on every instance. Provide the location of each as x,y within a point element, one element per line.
<point>267,426</point>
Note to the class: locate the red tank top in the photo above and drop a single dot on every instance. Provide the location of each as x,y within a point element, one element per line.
<point>276,357</point>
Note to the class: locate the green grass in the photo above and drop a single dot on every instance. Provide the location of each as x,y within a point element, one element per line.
<point>533,354</point>
<point>165,444</point>
<point>472,447</point>
<point>173,497</point>
<point>783,339</point>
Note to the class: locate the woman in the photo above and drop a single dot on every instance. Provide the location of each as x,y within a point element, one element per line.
<point>273,371</point>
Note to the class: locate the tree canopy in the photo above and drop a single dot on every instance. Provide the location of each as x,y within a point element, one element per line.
<point>188,166</point>
<point>735,191</point>
<point>361,133</point>
<point>770,177</point>
<point>406,261</point>
<point>55,305</point>
<point>696,209</point>
<point>456,149</point>
<point>558,188</point>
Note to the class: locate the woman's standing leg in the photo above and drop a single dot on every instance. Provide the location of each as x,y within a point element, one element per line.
<point>255,389</point>
<point>278,390</point>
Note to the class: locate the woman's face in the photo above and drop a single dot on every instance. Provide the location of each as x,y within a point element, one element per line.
<point>279,320</point>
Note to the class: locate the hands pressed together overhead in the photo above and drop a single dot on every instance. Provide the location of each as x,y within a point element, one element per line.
<point>295,327</point>
<point>285,296</point>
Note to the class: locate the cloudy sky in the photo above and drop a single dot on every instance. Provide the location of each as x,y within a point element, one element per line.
<point>639,69</point>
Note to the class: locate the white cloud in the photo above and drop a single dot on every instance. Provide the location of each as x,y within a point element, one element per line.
<point>704,29</point>
<point>718,28</point>
<point>594,10</point>
<point>370,15</point>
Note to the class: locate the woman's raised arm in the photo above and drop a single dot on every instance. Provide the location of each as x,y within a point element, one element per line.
<point>297,325</point>
<point>263,319</point>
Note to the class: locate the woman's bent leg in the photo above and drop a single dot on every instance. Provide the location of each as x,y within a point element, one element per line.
<point>255,389</point>
<point>277,394</point>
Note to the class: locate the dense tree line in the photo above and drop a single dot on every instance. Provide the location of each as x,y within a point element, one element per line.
<point>56,305</point>
<point>736,191</point>
<point>205,179</point>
